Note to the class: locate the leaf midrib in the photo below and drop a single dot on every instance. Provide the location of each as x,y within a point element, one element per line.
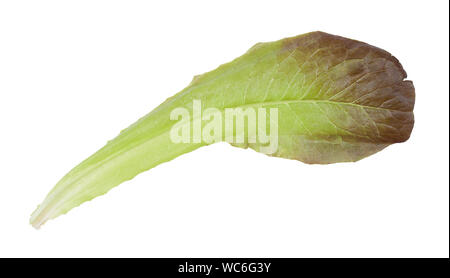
<point>314,101</point>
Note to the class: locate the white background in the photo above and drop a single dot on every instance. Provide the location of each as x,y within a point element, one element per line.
<point>74,73</point>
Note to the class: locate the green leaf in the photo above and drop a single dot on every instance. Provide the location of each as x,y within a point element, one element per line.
<point>337,100</point>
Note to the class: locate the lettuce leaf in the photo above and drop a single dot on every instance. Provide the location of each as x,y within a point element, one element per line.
<point>337,100</point>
